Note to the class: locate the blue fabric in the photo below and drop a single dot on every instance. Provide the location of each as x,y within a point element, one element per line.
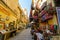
<point>43,17</point>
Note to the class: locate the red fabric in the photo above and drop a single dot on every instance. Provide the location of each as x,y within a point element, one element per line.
<point>43,12</point>
<point>35,17</point>
<point>51,8</point>
<point>52,27</point>
<point>48,17</point>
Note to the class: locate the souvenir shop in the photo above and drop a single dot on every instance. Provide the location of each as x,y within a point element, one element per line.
<point>45,16</point>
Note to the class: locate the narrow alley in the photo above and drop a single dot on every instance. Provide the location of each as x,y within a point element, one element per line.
<point>29,19</point>
<point>24,35</point>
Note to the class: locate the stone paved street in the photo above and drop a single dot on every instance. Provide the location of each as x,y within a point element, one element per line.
<point>24,35</point>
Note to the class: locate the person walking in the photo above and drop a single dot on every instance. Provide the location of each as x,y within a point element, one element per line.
<point>39,35</point>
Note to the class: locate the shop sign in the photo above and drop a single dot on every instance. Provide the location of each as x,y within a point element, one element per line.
<point>58,14</point>
<point>58,17</point>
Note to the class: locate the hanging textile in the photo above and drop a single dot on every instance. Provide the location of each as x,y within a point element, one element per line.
<point>32,7</point>
<point>55,27</point>
<point>35,17</point>
<point>51,27</point>
<point>30,19</point>
<point>50,9</point>
<point>57,2</point>
<point>30,13</point>
<point>38,6</point>
<point>43,12</point>
<point>43,18</point>
<point>30,16</point>
<point>48,17</point>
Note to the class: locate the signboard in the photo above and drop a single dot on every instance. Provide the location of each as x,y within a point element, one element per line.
<point>58,16</point>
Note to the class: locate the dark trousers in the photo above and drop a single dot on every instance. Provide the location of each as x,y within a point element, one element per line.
<point>35,37</point>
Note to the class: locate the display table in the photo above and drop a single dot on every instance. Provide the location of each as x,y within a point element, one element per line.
<point>4,35</point>
<point>55,37</point>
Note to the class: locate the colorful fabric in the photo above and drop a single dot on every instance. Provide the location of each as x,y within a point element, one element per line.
<point>35,17</point>
<point>55,27</point>
<point>43,12</point>
<point>52,27</point>
<point>43,18</point>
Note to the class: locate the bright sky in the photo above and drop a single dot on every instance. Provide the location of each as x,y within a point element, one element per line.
<point>26,4</point>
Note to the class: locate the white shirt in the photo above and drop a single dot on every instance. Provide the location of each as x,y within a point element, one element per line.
<point>39,36</point>
<point>47,31</point>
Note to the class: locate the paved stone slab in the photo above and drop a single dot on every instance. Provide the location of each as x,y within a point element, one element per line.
<point>24,35</point>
